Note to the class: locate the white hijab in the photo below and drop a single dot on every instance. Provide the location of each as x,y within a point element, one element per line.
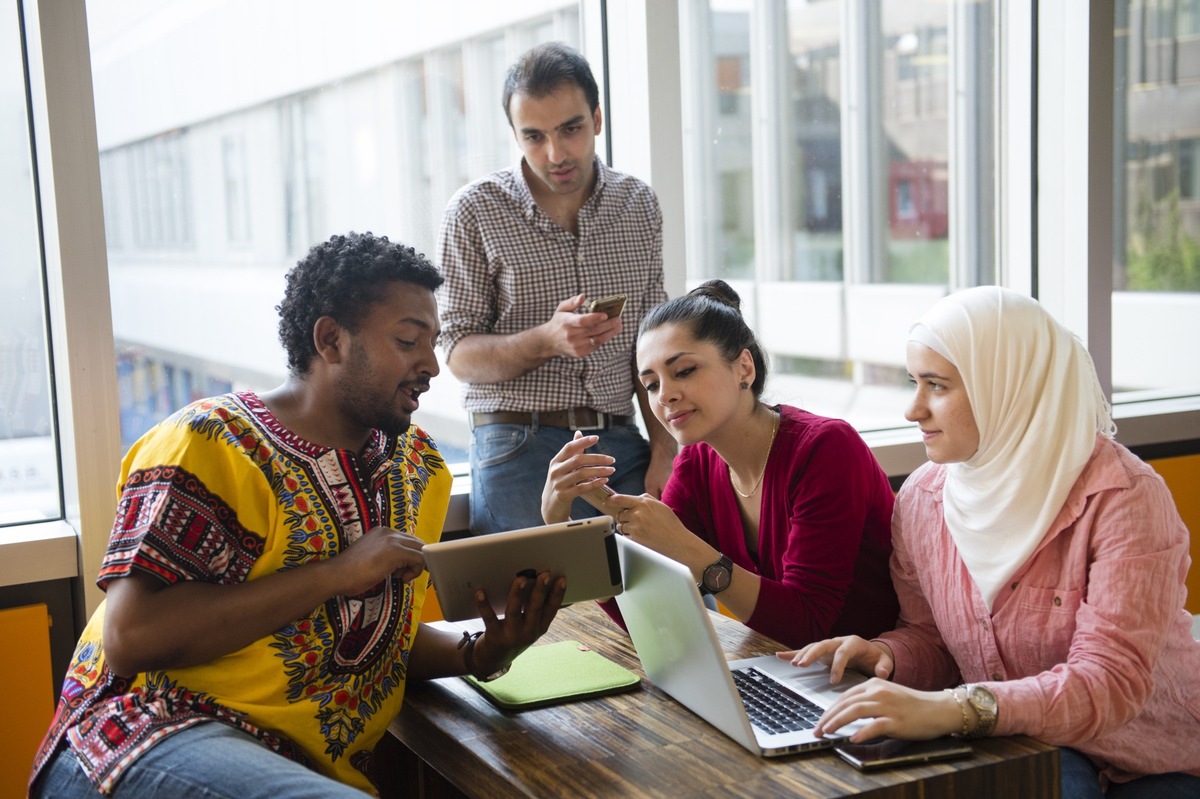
<point>1038,406</point>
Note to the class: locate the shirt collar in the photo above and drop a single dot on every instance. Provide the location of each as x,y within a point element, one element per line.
<point>525,195</point>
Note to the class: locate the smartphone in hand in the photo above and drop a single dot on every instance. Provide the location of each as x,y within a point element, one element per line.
<point>611,306</point>
<point>596,496</point>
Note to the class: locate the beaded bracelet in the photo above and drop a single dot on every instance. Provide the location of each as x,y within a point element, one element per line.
<point>962,705</point>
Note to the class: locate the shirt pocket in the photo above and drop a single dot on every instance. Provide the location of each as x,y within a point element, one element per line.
<point>1047,627</point>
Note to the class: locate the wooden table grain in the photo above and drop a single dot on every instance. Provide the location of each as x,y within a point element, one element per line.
<point>449,741</point>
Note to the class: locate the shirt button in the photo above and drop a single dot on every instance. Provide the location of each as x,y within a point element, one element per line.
<point>1057,601</point>
<point>1013,587</point>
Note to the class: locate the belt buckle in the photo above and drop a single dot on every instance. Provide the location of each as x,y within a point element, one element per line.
<point>601,421</point>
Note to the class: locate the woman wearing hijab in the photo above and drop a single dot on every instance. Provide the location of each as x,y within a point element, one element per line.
<point>783,515</point>
<point>1040,566</point>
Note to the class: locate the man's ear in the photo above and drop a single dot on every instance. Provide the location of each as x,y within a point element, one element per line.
<point>330,339</point>
<point>597,121</point>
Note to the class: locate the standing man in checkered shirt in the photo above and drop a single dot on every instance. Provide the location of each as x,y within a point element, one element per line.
<point>523,250</point>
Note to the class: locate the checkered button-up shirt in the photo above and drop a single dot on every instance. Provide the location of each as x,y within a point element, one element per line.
<point>508,265</point>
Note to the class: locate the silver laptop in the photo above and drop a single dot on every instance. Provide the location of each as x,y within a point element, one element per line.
<point>681,654</point>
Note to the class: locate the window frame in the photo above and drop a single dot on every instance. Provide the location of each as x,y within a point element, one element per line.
<point>641,85</point>
<point>81,345</point>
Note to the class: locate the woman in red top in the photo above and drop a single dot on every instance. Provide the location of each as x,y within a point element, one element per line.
<point>782,513</point>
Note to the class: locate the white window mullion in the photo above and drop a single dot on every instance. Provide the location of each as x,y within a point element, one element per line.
<point>644,111</point>
<point>864,159</point>
<point>972,165</point>
<point>1075,168</point>
<point>1014,135</point>
<point>772,112</point>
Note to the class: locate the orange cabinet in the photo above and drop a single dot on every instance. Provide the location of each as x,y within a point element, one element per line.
<point>26,692</point>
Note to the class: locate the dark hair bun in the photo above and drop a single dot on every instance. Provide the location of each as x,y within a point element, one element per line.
<point>719,291</point>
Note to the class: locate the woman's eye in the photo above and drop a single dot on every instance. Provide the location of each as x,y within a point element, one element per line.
<point>650,387</point>
<point>685,372</point>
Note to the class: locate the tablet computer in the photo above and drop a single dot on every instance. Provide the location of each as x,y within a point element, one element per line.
<point>584,550</point>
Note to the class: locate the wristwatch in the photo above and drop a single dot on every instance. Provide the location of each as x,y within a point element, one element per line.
<point>984,702</point>
<point>716,577</point>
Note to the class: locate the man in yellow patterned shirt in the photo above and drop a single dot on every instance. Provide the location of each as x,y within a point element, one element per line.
<point>263,601</point>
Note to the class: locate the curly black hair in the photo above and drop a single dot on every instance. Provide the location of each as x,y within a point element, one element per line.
<point>712,311</point>
<point>340,278</point>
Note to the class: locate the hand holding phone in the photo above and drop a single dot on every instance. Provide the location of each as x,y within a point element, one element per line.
<point>596,496</point>
<point>610,306</point>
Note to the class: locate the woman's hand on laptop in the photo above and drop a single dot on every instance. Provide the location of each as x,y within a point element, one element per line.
<point>533,602</point>
<point>866,657</point>
<point>892,710</point>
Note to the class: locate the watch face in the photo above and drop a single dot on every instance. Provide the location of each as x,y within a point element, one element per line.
<point>982,699</point>
<point>717,577</point>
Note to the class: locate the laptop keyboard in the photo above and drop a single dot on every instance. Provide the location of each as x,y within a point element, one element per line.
<point>773,707</point>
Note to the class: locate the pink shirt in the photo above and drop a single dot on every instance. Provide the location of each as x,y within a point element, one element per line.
<point>1089,645</point>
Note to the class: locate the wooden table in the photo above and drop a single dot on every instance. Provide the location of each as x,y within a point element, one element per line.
<point>448,741</point>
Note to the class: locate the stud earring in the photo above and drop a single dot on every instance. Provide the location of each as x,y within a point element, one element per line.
<point>745,385</point>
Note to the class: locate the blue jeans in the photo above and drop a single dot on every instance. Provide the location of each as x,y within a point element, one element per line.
<point>208,761</point>
<point>508,471</point>
<point>1081,780</point>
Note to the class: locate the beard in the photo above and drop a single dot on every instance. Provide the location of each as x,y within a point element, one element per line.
<point>366,403</point>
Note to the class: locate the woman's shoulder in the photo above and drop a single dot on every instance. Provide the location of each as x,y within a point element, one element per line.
<point>1113,467</point>
<point>926,481</point>
<point>809,432</point>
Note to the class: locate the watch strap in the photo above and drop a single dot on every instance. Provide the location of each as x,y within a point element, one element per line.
<point>984,703</point>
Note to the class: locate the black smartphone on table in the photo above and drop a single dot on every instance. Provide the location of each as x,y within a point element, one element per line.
<point>892,752</point>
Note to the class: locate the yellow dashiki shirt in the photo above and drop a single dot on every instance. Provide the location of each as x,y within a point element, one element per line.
<point>221,492</point>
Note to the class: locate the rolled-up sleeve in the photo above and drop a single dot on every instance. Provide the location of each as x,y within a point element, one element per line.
<point>467,299</point>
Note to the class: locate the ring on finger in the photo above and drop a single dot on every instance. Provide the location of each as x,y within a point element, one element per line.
<point>592,341</point>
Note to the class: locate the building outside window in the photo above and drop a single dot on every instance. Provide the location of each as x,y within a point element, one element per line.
<point>1156,219</point>
<point>219,189</point>
<point>847,163</point>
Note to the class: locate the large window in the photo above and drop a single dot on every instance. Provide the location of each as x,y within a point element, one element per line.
<point>315,119</point>
<point>29,478</point>
<point>842,161</point>
<point>1156,224</point>
<point>845,164</point>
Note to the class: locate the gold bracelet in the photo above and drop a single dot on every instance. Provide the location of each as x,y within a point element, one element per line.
<point>962,705</point>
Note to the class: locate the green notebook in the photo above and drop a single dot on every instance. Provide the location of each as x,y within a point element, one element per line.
<point>555,673</point>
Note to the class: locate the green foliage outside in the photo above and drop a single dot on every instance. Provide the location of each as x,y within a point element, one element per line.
<point>1161,255</point>
<point>921,261</point>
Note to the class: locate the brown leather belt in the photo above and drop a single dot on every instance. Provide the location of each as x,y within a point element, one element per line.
<point>572,419</point>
